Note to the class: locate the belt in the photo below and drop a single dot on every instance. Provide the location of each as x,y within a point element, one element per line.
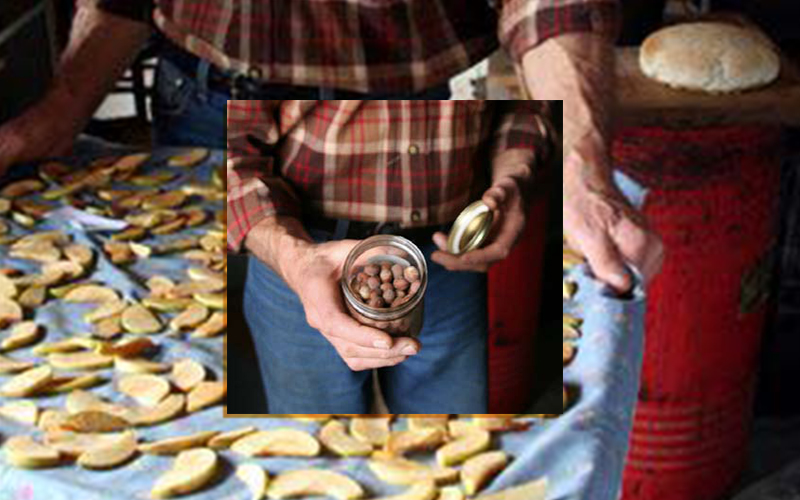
<point>359,230</point>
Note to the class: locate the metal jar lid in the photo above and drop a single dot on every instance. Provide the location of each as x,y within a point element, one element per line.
<point>470,228</point>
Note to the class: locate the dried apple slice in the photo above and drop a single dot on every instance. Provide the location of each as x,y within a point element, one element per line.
<point>193,157</point>
<point>10,312</point>
<point>256,479</point>
<point>79,254</point>
<point>189,318</point>
<point>84,360</point>
<point>187,374</point>
<point>22,188</point>
<point>70,344</point>
<point>27,383</point>
<point>108,328</point>
<point>204,394</point>
<point>371,430</point>
<point>215,325</point>
<point>7,287</point>
<point>437,421</point>
<point>138,365</point>
<point>105,310</point>
<point>173,445</point>
<point>72,444</point>
<point>277,442</point>
<point>480,469</point>
<point>465,446</point>
<point>224,440</point>
<point>24,452</point>
<point>94,421</point>
<point>169,408</point>
<point>80,401</point>
<point>10,365</point>
<point>397,470</point>
<point>416,440</point>
<point>312,483</point>
<point>70,383</point>
<point>138,319</point>
<point>533,490</point>
<point>91,294</point>
<point>145,388</point>
<point>170,199</point>
<point>451,493</point>
<point>24,412</point>
<point>22,334</point>
<point>425,490</point>
<point>110,455</point>
<point>191,470</point>
<point>164,304</point>
<point>335,437</point>
<point>33,296</point>
<point>211,300</point>
<point>40,251</point>
<point>499,423</point>
<point>126,348</point>
<point>169,227</point>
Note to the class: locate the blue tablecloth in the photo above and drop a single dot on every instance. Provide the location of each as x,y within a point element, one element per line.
<point>581,453</point>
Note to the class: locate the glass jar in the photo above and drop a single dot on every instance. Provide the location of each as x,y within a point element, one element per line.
<point>403,319</point>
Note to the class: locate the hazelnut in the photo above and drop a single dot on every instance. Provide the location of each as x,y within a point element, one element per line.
<point>389,295</point>
<point>397,271</point>
<point>372,269</point>
<point>376,302</point>
<point>387,286</point>
<point>373,283</point>
<point>400,284</point>
<point>373,294</point>
<point>411,274</point>
<point>386,275</point>
<point>364,292</point>
<point>361,277</point>
<point>400,294</point>
<point>414,287</point>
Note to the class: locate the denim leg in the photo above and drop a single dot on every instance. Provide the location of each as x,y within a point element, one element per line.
<point>449,374</point>
<point>185,112</point>
<point>301,370</point>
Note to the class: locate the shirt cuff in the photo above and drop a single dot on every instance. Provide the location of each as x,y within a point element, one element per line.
<point>253,197</point>
<point>524,24</point>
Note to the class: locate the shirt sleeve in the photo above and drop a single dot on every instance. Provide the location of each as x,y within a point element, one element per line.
<point>524,24</point>
<point>255,190</point>
<point>519,127</point>
<point>135,10</point>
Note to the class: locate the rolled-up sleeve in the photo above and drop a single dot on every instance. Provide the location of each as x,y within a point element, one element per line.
<point>518,128</point>
<point>135,10</point>
<point>524,24</point>
<point>255,190</point>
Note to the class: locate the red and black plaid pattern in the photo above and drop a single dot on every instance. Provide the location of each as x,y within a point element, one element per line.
<point>415,162</point>
<point>367,45</point>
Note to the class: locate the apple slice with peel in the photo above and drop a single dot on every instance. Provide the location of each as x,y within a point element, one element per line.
<point>534,490</point>
<point>415,440</point>
<point>173,445</point>
<point>397,470</point>
<point>468,444</point>
<point>335,437</point>
<point>24,452</point>
<point>110,455</point>
<point>277,442</point>
<point>425,490</point>
<point>312,483</point>
<point>256,479</point>
<point>480,469</point>
<point>191,470</point>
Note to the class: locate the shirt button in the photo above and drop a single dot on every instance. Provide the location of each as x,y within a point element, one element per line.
<point>413,149</point>
<point>415,216</point>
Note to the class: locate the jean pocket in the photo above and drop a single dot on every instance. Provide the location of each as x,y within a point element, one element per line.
<point>173,90</point>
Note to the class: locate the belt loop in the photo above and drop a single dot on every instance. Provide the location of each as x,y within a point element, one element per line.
<point>342,226</point>
<point>203,68</point>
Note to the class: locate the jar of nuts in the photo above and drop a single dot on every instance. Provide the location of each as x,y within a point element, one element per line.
<point>383,283</point>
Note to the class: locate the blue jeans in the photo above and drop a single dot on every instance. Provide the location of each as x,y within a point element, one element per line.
<point>303,373</point>
<point>187,113</point>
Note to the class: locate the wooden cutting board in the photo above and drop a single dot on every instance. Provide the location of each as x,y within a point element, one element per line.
<point>644,101</point>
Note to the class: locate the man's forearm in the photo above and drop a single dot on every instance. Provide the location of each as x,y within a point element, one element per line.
<point>578,69</point>
<point>101,47</point>
<point>279,242</point>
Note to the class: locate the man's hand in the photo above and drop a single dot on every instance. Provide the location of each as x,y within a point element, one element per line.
<point>601,224</point>
<point>505,200</point>
<point>313,271</point>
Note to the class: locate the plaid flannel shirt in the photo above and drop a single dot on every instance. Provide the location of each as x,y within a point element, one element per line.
<point>414,162</point>
<point>364,45</point>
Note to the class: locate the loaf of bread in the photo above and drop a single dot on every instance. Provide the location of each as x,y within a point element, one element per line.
<point>712,57</point>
